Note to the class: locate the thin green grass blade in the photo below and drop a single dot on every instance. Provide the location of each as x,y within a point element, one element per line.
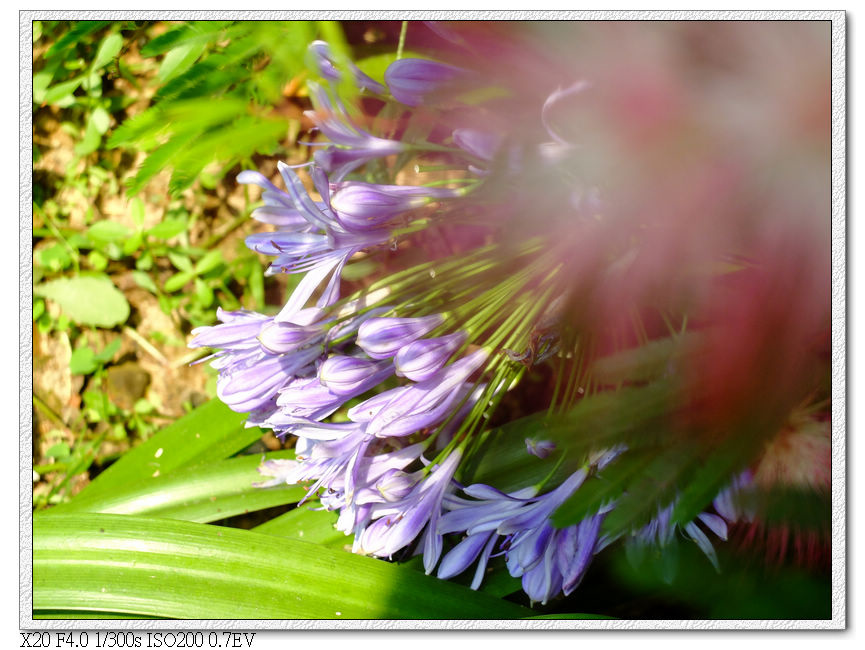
<point>203,493</point>
<point>209,433</point>
<point>160,567</point>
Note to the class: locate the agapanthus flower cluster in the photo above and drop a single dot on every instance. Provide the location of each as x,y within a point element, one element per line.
<point>497,260</point>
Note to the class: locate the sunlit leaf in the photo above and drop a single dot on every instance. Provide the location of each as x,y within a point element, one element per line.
<point>108,50</point>
<point>211,432</point>
<point>87,300</point>
<point>160,567</point>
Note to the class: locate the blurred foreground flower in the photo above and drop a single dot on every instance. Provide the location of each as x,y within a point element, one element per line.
<point>611,225</point>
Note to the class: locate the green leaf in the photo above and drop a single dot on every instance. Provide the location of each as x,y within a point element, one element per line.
<point>304,524</point>
<point>108,231</point>
<point>90,142</point>
<point>160,567</point>
<point>76,34</point>
<point>181,262</point>
<point>61,90</point>
<point>164,42</point>
<point>192,31</point>
<point>167,228</point>
<point>110,350</point>
<point>100,119</point>
<point>144,281</point>
<point>155,162</point>
<point>138,128</point>
<point>41,80</point>
<point>179,59</point>
<point>136,210</point>
<point>210,261</point>
<point>60,450</point>
<point>133,244</point>
<point>108,50</point>
<point>82,361</point>
<point>87,300</point>
<point>203,493</point>
<point>97,261</point>
<point>203,293</point>
<point>211,432</point>
<point>178,281</point>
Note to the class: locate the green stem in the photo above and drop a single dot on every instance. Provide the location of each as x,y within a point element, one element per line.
<point>402,32</point>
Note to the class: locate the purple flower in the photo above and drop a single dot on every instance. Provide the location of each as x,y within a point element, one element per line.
<point>418,81</point>
<point>282,337</point>
<point>238,331</point>
<point>251,382</point>
<point>412,408</point>
<point>332,120</point>
<point>381,338</point>
<point>351,375</point>
<point>361,206</point>
<point>396,525</point>
<point>481,144</point>
<point>661,529</point>
<point>547,559</point>
<point>320,247</point>
<point>421,359</point>
<point>321,59</point>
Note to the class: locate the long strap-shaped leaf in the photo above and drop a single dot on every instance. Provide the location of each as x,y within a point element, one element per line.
<point>160,567</point>
<point>200,493</point>
<point>210,432</point>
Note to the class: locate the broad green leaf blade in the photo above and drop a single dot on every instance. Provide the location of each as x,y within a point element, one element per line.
<point>307,525</point>
<point>87,300</point>
<point>203,493</point>
<point>211,432</point>
<point>179,569</point>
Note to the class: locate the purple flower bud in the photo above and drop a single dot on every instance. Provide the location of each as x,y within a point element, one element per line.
<point>381,338</point>
<point>321,58</point>
<point>396,484</point>
<point>422,359</point>
<point>254,384</point>
<point>236,332</point>
<point>414,81</point>
<point>361,206</point>
<point>478,143</point>
<point>283,337</point>
<point>539,448</point>
<point>350,375</point>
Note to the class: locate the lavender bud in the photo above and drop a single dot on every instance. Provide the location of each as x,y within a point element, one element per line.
<point>414,81</point>
<point>396,484</point>
<point>381,338</point>
<point>422,359</point>
<point>539,448</point>
<point>282,337</point>
<point>348,375</point>
<point>480,144</point>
